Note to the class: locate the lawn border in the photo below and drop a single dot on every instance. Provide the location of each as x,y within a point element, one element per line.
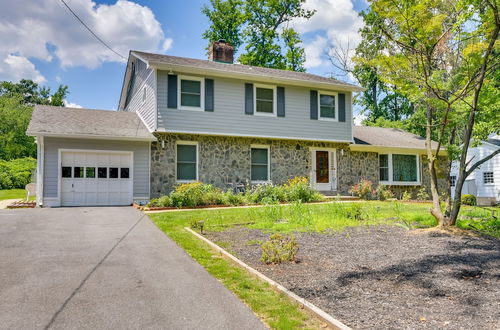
<point>330,320</point>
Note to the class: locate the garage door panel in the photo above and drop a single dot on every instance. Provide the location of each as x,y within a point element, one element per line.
<point>96,178</point>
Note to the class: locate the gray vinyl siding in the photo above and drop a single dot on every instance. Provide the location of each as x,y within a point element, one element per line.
<point>51,161</point>
<point>229,116</point>
<point>146,78</point>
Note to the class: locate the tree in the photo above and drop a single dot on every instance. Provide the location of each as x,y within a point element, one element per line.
<point>443,56</point>
<point>16,106</point>
<point>226,18</point>
<point>262,25</point>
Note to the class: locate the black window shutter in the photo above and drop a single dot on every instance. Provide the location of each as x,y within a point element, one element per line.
<point>172,91</point>
<point>209,95</point>
<point>249,99</point>
<point>342,107</point>
<point>314,104</point>
<point>281,101</point>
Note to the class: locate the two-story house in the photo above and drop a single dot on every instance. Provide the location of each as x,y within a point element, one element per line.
<point>182,119</point>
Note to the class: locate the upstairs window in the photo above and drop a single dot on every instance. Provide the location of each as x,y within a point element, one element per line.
<point>488,178</point>
<point>190,93</point>
<point>260,163</point>
<point>265,100</point>
<point>187,161</point>
<point>327,105</point>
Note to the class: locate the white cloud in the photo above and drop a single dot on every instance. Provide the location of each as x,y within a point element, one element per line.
<point>315,52</point>
<point>45,29</point>
<point>18,67</point>
<point>335,18</point>
<point>71,104</point>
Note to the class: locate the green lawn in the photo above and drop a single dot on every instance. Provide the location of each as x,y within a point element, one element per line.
<point>275,309</point>
<point>13,194</point>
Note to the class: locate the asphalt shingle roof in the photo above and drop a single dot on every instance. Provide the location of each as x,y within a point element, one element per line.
<point>51,120</point>
<point>388,137</point>
<point>241,69</point>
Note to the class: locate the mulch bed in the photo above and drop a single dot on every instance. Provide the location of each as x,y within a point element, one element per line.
<point>386,277</point>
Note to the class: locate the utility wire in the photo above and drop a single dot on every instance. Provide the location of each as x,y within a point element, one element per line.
<point>92,32</point>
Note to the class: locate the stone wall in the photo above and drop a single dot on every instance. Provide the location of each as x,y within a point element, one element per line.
<point>224,161</point>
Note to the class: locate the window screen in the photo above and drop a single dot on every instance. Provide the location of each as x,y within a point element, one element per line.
<point>190,93</point>
<point>186,162</point>
<point>384,167</point>
<point>264,100</point>
<point>260,164</point>
<point>327,106</point>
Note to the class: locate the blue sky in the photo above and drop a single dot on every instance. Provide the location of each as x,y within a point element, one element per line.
<point>55,49</point>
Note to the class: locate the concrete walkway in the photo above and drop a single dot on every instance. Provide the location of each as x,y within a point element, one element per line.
<point>105,268</point>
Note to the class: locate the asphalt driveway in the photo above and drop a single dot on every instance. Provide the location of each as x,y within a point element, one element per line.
<point>105,268</point>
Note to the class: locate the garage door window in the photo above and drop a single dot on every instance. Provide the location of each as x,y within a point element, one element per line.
<point>113,172</point>
<point>66,172</point>
<point>124,173</point>
<point>78,172</point>
<point>90,172</point>
<point>102,172</point>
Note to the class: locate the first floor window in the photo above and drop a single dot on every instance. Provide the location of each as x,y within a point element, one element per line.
<point>327,106</point>
<point>404,168</point>
<point>398,168</point>
<point>186,162</point>
<point>488,177</point>
<point>260,164</point>
<point>453,180</point>
<point>384,167</point>
<point>264,100</point>
<point>190,93</point>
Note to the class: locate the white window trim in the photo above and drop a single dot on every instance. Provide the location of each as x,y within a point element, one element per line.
<point>336,105</point>
<point>453,180</point>
<point>492,177</point>
<point>275,101</point>
<point>188,143</point>
<point>391,182</point>
<point>202,93</point>
<point>261,146</point>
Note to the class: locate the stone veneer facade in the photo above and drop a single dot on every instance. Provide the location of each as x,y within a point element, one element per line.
<point>224,161</point>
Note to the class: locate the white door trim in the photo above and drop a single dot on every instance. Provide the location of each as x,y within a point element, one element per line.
<point>332,170</point>
<point>59,164</point>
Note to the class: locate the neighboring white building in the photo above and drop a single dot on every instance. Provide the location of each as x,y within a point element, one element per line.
<point>484,182</point>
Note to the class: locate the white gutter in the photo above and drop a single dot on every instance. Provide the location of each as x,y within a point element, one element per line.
<point>40,167</point>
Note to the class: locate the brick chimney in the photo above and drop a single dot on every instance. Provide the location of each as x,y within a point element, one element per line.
<point>221,51</point>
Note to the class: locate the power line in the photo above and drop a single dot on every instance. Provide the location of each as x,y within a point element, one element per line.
<point>92,32</point>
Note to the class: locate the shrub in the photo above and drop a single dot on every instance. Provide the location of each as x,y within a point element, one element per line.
<point>422,194</point>
<point>406,196</point>
<point>16,173</point>
<point>279,248</point>
<point>233,199</point>
<point>354,212</point>
<point>213,197</point>
<point>267,192</point>
<point>163,201</point>
<point>190,194</point>
<point>297,189</point>
<point>383,192</point>
<point>363,189</point>
<point>468,200</point>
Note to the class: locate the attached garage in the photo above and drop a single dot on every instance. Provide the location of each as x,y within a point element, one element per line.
<point>93,158</point>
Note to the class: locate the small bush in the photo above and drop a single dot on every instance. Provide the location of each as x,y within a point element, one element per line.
<point>422,194</point>
<point>363,189</point>
<point>354,212</point>
<point>233,199</point>
<point>383,193</point>
<point>468,200</point>
<point>16,173</point>
<point>406,196</point>
<point>298,190</point>
<point>279,248</point>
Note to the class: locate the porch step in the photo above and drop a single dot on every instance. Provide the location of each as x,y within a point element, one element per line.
<point>335,195</point>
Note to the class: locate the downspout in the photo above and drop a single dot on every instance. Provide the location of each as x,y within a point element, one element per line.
<point>40,176</point>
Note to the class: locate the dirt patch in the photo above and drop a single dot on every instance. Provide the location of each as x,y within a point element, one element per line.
<point>385,277</point>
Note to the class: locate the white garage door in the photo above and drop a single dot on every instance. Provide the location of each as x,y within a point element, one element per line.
<point>96,178</point>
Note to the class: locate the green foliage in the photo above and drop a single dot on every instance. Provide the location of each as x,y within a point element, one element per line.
<point>16,173</point>
<point>467,199</point>
<point>32,93</point>
<point>199,194</point>
<point>363,189</point>
<point>422,194</point>
<point>262,25</point>
<point>383,192</point>
<point>406,196</point>
<point>279,248</point>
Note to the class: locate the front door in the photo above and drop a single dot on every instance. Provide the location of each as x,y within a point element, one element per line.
<point>324,170</point>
